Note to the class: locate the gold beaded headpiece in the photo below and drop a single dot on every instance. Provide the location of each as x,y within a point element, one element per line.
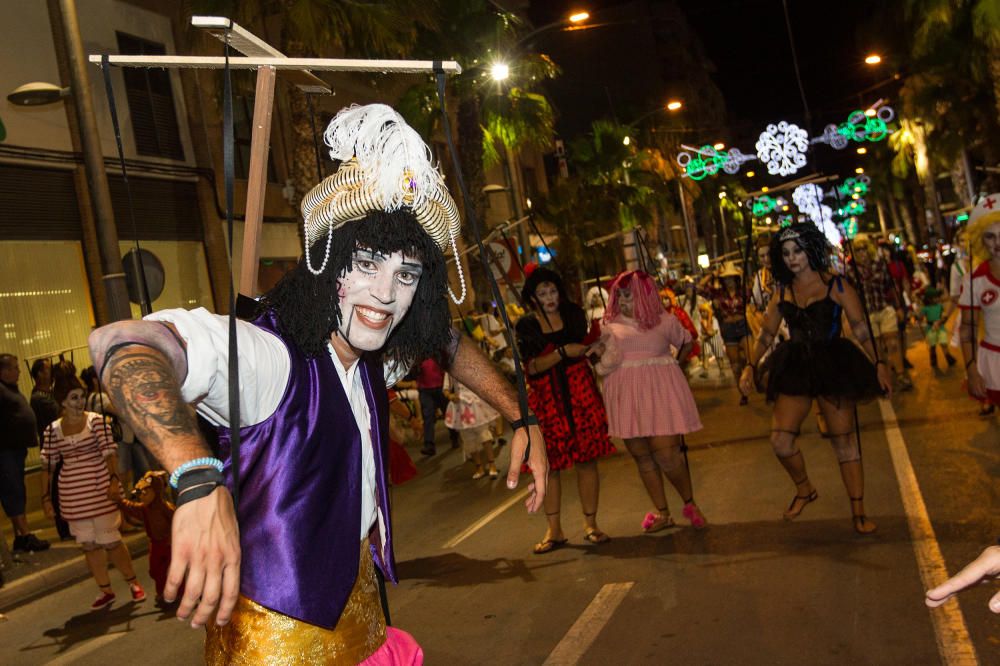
<point>385,165</point>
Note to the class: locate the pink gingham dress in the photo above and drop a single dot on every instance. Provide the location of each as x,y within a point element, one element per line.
<point>645,390</point>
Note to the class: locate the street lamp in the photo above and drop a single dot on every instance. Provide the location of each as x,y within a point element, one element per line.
<point>37,93</point>
<point>500,71</point>
<point>873,59</point>
<point>674,105</point>
<point>862,150</point>
<point>627,140</point>
<point>579,17</point>
<point>719,146</point>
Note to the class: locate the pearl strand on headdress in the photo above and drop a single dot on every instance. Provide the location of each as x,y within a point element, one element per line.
<point>326,254</point>
<point>461,274</point>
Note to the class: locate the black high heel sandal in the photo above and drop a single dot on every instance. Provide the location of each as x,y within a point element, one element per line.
<point>860,520</point>
<point>805,499</point>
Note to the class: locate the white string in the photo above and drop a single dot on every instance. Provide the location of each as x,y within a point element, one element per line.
<point>461,273</point>
<point>326,254</point>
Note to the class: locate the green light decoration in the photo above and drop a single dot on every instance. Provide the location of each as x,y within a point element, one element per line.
<point>851,186</point>
<point>859,127</point>
<point>763,205</point>
<point>851,227</point>
<point>962,218</point>
<point>785,221</point>
<point>707,161</point>
<point>851,208</point>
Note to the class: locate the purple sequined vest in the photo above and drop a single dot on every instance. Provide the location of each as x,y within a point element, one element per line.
<point>300,490</point>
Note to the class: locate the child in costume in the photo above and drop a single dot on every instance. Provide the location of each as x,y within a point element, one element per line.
<point>473,419</point>
<point>150,505</point>
<point>979,302</point>
<point>932,319</point>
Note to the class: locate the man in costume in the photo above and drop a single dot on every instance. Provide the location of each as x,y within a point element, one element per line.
<point>365,303</point>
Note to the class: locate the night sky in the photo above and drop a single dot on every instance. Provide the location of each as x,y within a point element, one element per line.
<point>749,58</point>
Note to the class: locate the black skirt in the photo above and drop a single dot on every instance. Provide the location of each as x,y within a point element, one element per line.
<point>836,370</point>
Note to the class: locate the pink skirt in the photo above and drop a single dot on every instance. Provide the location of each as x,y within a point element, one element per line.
<point>399,649</point>
<point>649,397</point>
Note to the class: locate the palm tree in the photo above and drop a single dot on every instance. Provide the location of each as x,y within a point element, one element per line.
<point>493,121</point>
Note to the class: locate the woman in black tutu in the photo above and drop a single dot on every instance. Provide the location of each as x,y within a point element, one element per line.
<point>816,363</point>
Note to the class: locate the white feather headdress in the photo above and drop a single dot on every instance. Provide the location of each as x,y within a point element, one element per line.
<point>385,165</point>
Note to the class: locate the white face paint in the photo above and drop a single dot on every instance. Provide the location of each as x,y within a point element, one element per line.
<point>375,294</point>
<point>991,240</point>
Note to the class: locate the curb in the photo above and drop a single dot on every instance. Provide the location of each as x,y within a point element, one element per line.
<point>31,587</point>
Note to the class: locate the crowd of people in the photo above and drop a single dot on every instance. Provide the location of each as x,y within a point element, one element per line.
<point>304,452</point>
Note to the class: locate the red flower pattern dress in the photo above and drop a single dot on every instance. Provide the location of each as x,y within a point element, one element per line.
<point>565,397</point>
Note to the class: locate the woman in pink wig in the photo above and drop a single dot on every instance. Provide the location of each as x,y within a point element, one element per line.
<point>646,394</point>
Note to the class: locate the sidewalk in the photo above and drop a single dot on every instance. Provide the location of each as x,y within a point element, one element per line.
<point>35,574</point>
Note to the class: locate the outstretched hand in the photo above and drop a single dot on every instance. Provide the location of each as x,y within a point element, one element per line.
<point>984,567</point>
<point>538,461</point>
<point>205,551</point>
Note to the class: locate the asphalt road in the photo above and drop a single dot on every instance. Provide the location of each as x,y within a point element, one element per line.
<point>750,589</point>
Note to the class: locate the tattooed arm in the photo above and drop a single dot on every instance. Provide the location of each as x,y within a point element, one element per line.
<point>142,364</point>
<point>471,367</point>
<point>847,297</point>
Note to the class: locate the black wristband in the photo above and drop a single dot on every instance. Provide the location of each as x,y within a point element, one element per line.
<point>197,477</point>
<point>529,420</point>
<point>195,492</point>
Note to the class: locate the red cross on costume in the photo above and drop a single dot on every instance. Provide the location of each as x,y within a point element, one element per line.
<point>989,203</point>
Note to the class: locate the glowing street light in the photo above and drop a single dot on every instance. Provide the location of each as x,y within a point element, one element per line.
<point>719,146</point>
<point>500,71</point>
<point>764,189</point>
<point>579,17</point>
<point>722,195</point>
<point>674,104</point>
<point>862,150</point>
<point>870,113</point>
<point>859,170</point>
<point>873,59</point>
<point>627,140</point>
<point>751,174</point>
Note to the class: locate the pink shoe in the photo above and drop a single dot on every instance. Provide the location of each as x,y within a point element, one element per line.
<point>102,600</point>
<point>138,594</point>
<point>693,513</point>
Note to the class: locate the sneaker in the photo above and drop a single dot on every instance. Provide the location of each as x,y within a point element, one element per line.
<point>103,599</point>
<point>29,543</point>
<point>138,594</point>
<point>478,474</point>
<point>493,472</point>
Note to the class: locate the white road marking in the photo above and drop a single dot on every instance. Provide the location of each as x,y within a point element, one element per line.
<point>73,655</point>
<point>952,635</point>
<point>482,522</point>
<point>584,631</point>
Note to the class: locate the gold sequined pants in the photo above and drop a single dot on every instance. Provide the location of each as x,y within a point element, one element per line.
<point>257,635</point>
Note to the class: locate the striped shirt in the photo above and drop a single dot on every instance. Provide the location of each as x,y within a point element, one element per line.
<point>84,479</point>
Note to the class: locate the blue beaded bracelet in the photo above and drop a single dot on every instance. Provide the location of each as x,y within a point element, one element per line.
<point>193,464</point>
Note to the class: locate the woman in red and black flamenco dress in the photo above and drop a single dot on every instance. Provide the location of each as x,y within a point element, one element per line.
<point>563,395</point>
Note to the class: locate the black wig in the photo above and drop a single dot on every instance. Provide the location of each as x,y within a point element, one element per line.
<point>537,277</point>
<point>808,237</point>
<point>308,308</point>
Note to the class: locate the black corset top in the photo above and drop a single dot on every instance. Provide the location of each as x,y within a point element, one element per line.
<point>817,322</point>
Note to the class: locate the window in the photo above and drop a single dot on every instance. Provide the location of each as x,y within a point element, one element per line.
<point>242,138</point>
<point>150,102</point>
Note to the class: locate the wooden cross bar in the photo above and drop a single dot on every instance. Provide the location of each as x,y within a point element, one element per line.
<point>268,61</point>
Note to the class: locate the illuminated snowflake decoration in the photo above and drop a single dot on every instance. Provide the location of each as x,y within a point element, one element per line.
<point>859,127</point>
<point>782,148</point>
<point>808,198</point>
<point>707,161</point>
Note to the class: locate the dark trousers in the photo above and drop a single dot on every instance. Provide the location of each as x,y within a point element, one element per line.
<point>431,400</point>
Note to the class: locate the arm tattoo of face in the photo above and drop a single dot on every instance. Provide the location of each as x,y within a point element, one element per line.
<point>143,385</point>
